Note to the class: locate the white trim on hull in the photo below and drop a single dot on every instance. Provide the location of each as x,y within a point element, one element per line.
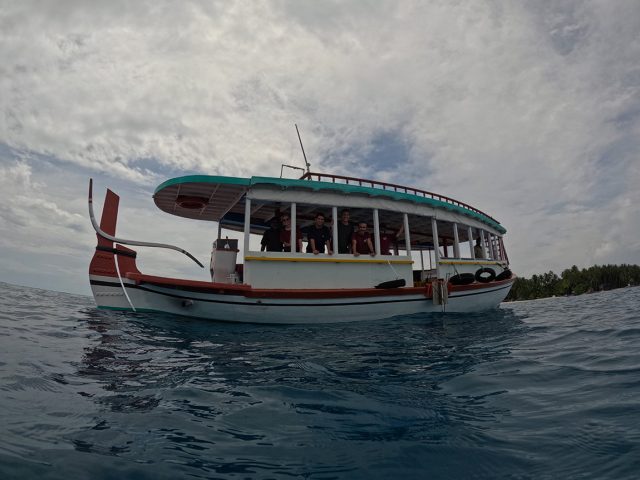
<point>239,308</point>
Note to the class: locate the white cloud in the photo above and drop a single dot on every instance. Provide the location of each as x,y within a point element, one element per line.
<point>529,111</point>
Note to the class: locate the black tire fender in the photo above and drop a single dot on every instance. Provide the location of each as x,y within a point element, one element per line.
<point>392,284</point>
<point>504,275</point>
<point>485,275</point>
<point>462,279</point>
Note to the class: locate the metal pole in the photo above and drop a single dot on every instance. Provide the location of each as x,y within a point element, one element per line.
<point>376,231</point>
<point>436,244</point>
<point>247,224</point>
<point>492,250</point>
<point>307,164</point>
<point>407,239</point>
<point>456,241</point>
<point>505,257</point>
<point>494,246</point>
<point>294,237</point>
<point>470,233</point>
<point>334,214</point>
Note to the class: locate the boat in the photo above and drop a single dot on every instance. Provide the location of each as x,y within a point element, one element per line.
<point>447,256</point>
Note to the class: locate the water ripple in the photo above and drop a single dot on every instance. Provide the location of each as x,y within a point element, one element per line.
<point>544,389</point>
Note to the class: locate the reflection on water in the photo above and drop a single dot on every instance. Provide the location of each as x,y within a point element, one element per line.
<point>280,391</point>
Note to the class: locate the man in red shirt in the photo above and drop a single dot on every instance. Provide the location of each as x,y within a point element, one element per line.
<point>285,235</point>
<point>389,239</point>
<point>361,241</point>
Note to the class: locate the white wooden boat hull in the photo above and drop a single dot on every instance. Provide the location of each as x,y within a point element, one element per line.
<point>147,297</point>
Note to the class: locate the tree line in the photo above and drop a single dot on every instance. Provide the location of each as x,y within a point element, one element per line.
<point>574,281</point>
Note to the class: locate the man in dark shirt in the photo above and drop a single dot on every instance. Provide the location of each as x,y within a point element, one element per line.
<point>478,251</point>
<point>271,238</point>
<point>319,236</point>
<point>345,230</point>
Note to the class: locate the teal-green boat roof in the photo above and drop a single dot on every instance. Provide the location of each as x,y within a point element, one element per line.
<point>211,197</point>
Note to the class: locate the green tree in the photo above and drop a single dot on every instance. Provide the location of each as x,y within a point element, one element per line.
<point>574,281</point>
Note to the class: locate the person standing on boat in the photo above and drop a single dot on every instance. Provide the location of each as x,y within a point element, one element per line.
<point>477,249</point>
<point>318,236</point>
<point>285,235</point>
<point>361,241</point>
<point>271,238</point>
<point>389,239</point>
<point>345,232</point>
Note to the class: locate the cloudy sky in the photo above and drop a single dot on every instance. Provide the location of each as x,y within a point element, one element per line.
<point>528,110</point>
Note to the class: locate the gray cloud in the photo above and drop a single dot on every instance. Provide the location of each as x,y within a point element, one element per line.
<point>528,110</point>
<point>30,216</point>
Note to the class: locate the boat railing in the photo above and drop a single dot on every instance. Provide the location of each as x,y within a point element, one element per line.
<point>325,177</point>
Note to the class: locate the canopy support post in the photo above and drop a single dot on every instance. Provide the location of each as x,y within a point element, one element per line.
<point>407,239</point>
<point>482,241</point>
<point>436,244</point>
<point>505,257</point>
<point>494,245</point>
<point>470,233</point>
<point>334,223</point>
<point>456,241</point>
<point>294,237</point>
<point>376,231</point>
<point>247,224</point>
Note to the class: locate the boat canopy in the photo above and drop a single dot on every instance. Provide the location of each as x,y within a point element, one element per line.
<point>222,199</point>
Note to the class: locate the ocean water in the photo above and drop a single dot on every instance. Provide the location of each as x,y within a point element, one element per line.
<point>541,389</point>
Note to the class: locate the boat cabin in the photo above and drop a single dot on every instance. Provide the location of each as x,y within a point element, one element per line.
<point>436,237</point>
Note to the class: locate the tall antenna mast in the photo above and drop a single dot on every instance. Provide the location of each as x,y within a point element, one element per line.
<point>307,164</point>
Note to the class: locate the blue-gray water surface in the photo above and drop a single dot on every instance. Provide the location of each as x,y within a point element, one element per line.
<point>541,389</point>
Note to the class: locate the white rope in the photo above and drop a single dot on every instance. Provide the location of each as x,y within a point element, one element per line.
<point>394,270</point>
<point>115,257</point>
